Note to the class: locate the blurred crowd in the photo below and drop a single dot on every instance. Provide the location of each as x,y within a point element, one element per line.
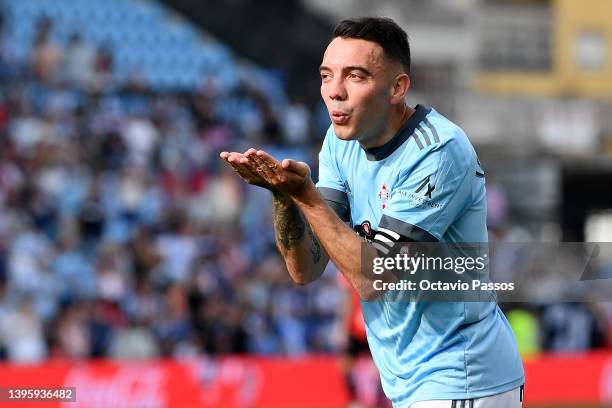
<point>122,234</point>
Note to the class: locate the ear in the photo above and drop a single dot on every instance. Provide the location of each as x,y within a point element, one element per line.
<point>400,88</point>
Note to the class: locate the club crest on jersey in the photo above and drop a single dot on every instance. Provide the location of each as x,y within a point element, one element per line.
<point>383,195</point>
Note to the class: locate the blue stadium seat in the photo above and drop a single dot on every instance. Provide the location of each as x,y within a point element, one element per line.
<point>143,34</point>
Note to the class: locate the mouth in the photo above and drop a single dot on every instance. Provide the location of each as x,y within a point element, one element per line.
<point>339,117</point>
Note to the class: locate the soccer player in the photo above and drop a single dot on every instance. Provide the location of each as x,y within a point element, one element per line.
<point>394,173</point>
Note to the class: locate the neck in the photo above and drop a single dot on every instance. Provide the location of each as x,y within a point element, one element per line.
<point>398,117</point>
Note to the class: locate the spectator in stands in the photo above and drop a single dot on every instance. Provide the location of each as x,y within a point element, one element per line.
<point>296,123</point>
<point>103,69</point>
<point>73,334</point>
<point>21,332</point>
<point>571,327</point>
<point>46,56</point>
<point>78,62</point>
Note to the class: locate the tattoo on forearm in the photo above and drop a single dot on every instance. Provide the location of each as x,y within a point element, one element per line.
<point>315,247</point>
<point>289,225</point>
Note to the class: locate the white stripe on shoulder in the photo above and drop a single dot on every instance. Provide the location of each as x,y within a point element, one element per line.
<point>389,232</point>
<point>383,238</point>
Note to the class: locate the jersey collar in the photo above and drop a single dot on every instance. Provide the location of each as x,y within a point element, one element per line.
<point>384,151</point>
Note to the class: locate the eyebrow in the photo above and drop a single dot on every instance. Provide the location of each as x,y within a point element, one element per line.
<point>349,68</point>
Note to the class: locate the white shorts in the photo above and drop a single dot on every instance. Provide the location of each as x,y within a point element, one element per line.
<point>510,399</point>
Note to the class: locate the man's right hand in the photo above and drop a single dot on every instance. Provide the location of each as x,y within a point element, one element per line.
<point>237,161</point>
<point>261,169</point>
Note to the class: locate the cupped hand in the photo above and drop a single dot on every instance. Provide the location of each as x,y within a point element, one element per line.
<point>259,168</point>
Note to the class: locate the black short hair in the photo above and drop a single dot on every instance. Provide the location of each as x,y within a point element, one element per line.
<point>383,31</point>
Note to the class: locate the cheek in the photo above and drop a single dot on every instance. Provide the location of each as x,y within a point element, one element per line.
<point>372,114</point>
<point>370,104</point>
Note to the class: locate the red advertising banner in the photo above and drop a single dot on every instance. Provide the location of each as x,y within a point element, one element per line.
<point>228,382</point>
<point>582,378</point>
<point>313,381</point>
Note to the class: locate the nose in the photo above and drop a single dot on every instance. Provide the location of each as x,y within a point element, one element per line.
<point>336,90</point>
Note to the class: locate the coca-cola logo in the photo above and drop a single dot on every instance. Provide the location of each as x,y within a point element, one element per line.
<point>128,385</point>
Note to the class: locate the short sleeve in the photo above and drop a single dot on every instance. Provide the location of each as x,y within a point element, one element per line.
<point>331,184</point>
<point>427,200</point>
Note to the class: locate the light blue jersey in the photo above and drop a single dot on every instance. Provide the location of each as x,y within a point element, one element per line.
<point>425,184</point>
